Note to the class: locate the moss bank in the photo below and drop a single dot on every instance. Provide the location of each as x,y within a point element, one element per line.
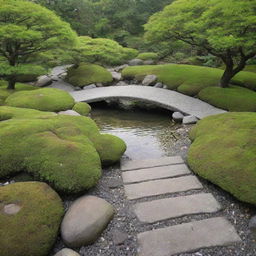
<point>82,108</point>
<point>224,152</point>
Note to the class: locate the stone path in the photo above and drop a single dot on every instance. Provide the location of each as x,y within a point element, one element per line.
<point>167,99</point>
<point>168,176</point>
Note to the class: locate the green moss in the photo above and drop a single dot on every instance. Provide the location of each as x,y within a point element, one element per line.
<point>109,155</point>
<point>64,151</point>
<point>189,79</point>
<point>33,230</point>
<point>250,68</point>
<point>232,99</point>
<point>87,74</point>
<point>224,152</point>
<point>82,108</point>
<point>45,99</point>
<point>148,56</point>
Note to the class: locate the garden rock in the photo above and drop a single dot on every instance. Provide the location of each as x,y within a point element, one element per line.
<point>67,252</point>
<point>189,120</point>
<point>35,215</point>
<point>69,113</point>
<point>149,80</point>
<point>116,76</point>
<point>165,86</point>
<point>119,237</point>
<point>177,117</point>
<point>121,83</point>
<point>135,62</point>
<point>85,220</point>
<point>120,68</point>
<point>43,81</point>
<point>148,62</point>
<point>99,84</point>
<point>90,86</point>
<point>158,85</point>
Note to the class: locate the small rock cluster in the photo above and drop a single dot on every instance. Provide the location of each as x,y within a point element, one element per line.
<point>180,118</point>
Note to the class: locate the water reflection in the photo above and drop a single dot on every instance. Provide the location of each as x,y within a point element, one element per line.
<point>147,134</point>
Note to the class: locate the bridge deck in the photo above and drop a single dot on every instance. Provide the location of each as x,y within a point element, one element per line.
<point>167,99</point>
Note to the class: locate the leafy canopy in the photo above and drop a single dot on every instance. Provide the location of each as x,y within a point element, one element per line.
<point>27,29</point>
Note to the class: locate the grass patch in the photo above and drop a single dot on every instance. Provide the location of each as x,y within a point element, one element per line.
<point>87,74</point>
<point>224,152</point>
<point>232,99</point>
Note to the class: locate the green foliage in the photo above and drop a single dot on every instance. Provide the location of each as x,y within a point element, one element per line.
<point>64,151</point>
<point>104,51</point>
<point>225,29</point>
<point>39,219</point>
<point>232,99</point>
<point>27,29</point>
<point>45,99</point>
<point>82,108</point>
<point>86,74</point>
<point>224,152</point>
<point>148,56</point>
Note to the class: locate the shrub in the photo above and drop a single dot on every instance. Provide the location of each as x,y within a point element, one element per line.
<point>148,56</point>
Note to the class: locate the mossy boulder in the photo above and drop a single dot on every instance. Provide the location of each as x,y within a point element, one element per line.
<point>64,151</point>
<point>224,152</point>
<point>86,74</point>
<point>30,216</point>
<point>45,99</point>
<point>82,108</point>
<point>148,56</point>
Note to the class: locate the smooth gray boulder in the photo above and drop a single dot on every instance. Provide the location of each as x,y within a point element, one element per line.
<point>43,81</point>
<point>99,84</point>
<point>177,117</point>
<point>158,85</point>
<point>149,80</point>
<point>69,113</point>
<point>67,252</point>
<point>116,76</point>
<point>189,120</point>
<point>121,83</point>
<point>135,62</point>
<point>85,220</point>
<point>149,62</point>
<point>120,68</point>
<point>90,86</point>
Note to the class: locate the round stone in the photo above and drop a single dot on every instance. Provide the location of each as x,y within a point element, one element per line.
<point>11,209</point>
<point>67,252</point>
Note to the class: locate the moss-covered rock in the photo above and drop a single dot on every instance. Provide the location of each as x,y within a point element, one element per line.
<point>224,152</point>
<point>86,74</point>
<point>45,99</point>
<point>30,215</point>
<point>64,151</point>
<point>148,56</point>
<point>82,108</point>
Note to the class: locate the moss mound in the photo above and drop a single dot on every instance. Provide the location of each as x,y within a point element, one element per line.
<point>33,229</point>
<point>189,79</point>
<point>232,99</point>
<point>148,56</point>
<point>64,151</point>
<point>45,99</point>
<point>224,152</point>
<point>87,74</point>
<point>82,108</point>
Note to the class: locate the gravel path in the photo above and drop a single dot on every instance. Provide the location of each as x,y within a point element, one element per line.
<point>110,188</point>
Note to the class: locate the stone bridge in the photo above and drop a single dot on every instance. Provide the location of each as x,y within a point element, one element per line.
<point>166,99</point>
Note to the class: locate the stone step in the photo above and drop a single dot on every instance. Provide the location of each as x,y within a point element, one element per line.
<point>147,163</point>
<point>161,187</point>
<point>162,209</point>
<point>155,173</point>
<point>187,237</point>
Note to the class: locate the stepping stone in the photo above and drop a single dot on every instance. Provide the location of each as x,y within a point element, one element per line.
<point>187,237</point>
<point>168,208</point>
<point>155,173</point>
<point>147,163</point>
<point>160,187</point>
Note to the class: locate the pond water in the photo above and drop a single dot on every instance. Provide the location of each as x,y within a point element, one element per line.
<point>148,134</point>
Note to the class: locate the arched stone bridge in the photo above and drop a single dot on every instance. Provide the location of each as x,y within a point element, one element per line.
<point>166,99</point>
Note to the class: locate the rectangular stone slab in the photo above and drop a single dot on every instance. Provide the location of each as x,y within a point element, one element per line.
<point>162,209</point>
<point>187,237</point>
<point>160,187</point>
<point>147,163</point>
<point>155,173</point>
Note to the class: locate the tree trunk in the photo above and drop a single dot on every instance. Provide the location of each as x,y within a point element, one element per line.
<point>226,77</point>
<point>11,84</point>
